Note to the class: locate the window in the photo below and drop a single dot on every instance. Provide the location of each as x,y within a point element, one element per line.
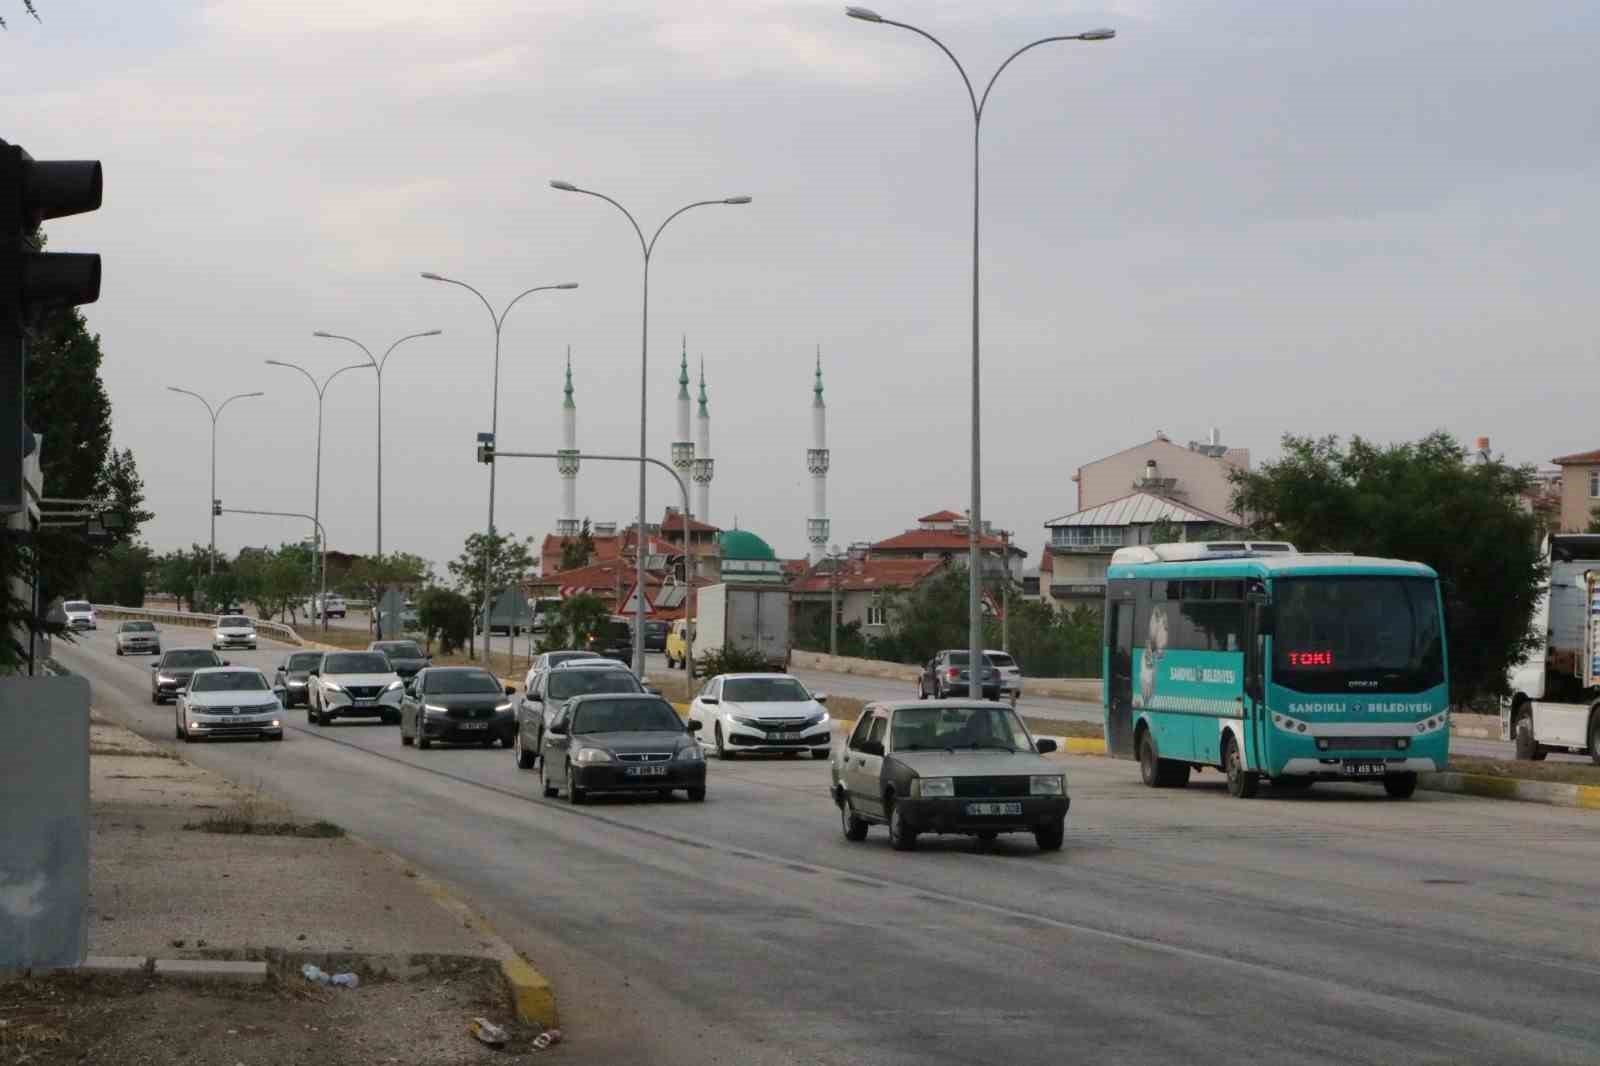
<point>877,615</point>
<point>863,727</point>
<point>1201,615</point>
<point>1594,484</point>
<point>880,724</point>
<point>1088,536</point>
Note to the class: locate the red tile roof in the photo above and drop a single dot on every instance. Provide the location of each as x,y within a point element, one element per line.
<point>793,568</point>
<point>934,540</point>
<point>942,516</point>
<point>672,522</point>
<point>1579,459</point>
<point>866,575</point>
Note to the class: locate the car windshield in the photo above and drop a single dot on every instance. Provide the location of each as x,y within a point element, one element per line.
<point>939,728</point>
<point>401,649</point>
<point>764,690</point>
<point>138,627</point>
<point>462,682</point>
<point>564,684</point>
<point>193,658</point>
<point>305,660</point>
<point>1335,634</point>
<point>234,620</point>
<point>626,716</point>
<point>357,662</point>
<point>75,605</point>
<point>956,658</point>
<point>569,656</point>
<point>229,681</point>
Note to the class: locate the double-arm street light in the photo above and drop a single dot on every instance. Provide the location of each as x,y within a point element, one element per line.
<point>647,247</point>
<point>378,365</point>
<point>321,389</point>
<point>215,414</point>
<point>975,525</point>
<point>499,321</point>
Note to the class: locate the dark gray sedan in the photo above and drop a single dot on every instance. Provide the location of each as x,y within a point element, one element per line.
<point>406,656</point>
<point>294,675</point>
<point>457,705</point>
<point>170,674</point>
<point>621,744</point>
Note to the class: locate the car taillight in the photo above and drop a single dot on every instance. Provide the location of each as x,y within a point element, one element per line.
<point>954,673</point>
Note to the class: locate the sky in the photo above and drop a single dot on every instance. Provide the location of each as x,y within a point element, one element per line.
<point>1330,216</point>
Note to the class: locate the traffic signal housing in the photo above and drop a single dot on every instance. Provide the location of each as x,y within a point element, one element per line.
<point>216,508</point>
<point>485,447</point>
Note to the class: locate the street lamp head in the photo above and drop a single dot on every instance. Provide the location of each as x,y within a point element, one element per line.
<point>321,333</point>
<point>277,362</point>
<point>564,186</point>
<point>1097,35</point>
<point>568,285</point>
<point>430,333</point>
<point>737,200</point>
<point>431,276</point>
<point>865,14</point>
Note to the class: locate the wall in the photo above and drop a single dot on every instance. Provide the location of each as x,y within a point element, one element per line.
<point>1202,481</point>
<point>1085,689</point>
<point>1575,500</point>
<point>44,821</point>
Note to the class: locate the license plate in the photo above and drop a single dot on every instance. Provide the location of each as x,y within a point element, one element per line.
<point>1365,769</point>
<point>994,808</point>
<point>474,725</point>
<point>783,736</point>
<point>647,771</point>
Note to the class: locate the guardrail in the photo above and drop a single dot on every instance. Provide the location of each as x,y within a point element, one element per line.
<point>276,630</point>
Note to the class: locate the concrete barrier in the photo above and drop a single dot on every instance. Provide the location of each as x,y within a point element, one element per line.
<point>276,630</point>
<point>1086,689</point>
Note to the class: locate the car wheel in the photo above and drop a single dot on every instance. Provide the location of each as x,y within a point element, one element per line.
<point>901,837</point>
<point>524,756</point>
<point>922,690</point>
<point>119,651</point>
<point>1400,786</point>
<point>422,736</point>
<point>405,741</point>
<point>1242,783</point>
<point>722,749</point>
<point>855,829</point>
<point>697,794</point>
<point>575,795</point>
<point>1050,837</point>
<point>155,699</point>
<point>545,786</point>
<point>177,727</point>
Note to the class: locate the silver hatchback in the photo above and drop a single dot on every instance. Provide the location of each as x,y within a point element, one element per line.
<point>138,638</point>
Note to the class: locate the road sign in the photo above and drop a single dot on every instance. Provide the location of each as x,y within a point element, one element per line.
<point>511,608</point>
<point>390,608</point>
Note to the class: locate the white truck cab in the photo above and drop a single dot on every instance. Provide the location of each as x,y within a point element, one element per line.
<point>1554,700</point>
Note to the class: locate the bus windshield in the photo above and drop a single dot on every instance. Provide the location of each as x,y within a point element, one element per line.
<point>1357,633</point>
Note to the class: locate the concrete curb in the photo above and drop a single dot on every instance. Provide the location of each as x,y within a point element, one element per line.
<point>1549,793</point>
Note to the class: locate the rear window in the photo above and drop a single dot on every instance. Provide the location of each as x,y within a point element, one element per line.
<point>401,649</point>
<point>305,660</point>
<point>138,627</point>
<point>191,657</point>
<point>1001,660</point>
<point>564,684</point>
<point>75,605</point>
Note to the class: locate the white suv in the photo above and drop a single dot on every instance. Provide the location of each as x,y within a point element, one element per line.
<point>1010,673</point>
<point>233,631</point>
<point>80,614</point>
<point>354,684</point>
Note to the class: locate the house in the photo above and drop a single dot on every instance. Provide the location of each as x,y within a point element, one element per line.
<point>1580,489</point>
<point>610,543</point>
<point>704,540</point>
<point>863,583</point>
<point>612,583</point>
<point>943,536</point>
<point>1081,543</point>
<point>1196,474</point>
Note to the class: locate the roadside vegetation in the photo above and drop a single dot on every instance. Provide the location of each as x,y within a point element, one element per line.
<point>245,817</point>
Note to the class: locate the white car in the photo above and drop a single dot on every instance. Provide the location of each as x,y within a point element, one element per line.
<point>80,614</point>
<point>1010,673</point>
<point>233,631</point>
<point>229,701</point>
<point>762,713</point>
<point>354,684</point>
<point>138,638</point>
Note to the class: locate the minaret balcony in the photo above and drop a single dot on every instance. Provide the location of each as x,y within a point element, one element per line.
<point>704,469</point>
<point>567,462</point>
<point>682,454</point>
<point>817,460</point>
<point>817,530</point>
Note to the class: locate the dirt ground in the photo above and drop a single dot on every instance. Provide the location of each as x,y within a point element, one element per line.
<point>66,1018</point>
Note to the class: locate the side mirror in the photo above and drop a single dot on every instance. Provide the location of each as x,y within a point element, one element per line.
<point>226,663</point>
<point>1044,746</point>
<point>155,665</point>
<point>693,727</point>
<point>872,747</point>
<point>558,728</point>
<point>710,701</point>
<point>282,694</point>
<point>652,690</point>
<point>820,697</point>
<point>511,690</point>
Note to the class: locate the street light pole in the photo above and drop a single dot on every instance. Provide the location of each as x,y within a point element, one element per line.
<point>215,414</point>
<point>499,321</point>
<point>974,527</point>
<point>378,365</point>
<point>217,508</point>
<point>647,247</point>
<point>321,390</point>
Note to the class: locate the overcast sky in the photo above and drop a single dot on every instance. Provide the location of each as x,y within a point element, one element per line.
<point>1325,216</point>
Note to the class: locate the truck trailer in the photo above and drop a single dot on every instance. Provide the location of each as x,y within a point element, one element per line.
<point>752,618</point>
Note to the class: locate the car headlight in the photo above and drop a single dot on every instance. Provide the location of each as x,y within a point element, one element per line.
<point>276,724</point>
<point>501,707</point>
<point>431,709</point>
<point>592,755</point>
<point>1047,785</point>
<point>816,719</point>
<point>394,686</point>
<point>932,787</point>
<point>163,679</point>
<point>333,686</point>
<point>292,683</point>
<point>691,754</point>
<point>744,719</point>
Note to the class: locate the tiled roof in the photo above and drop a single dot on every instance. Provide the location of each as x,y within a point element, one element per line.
<point>608,546</point>
<point>866,575</point>
<point>942,516</point>
<point>1137,508</point>
<point>933,540</point>
<point>1565,460</point>
<point>795,567</point>
<point>672,522</point>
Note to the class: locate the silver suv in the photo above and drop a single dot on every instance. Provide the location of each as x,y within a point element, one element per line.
<point>1010,673</point>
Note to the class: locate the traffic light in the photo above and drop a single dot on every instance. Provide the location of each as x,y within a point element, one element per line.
<point>485,447</point>
<point>30,192</point>
<point>216,508</point>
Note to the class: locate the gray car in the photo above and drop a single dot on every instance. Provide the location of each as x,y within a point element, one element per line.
<point>954,766</point>
<point>457,705</point>
<point>229,701</point>
<point>549,695</point>
<point>406,656</point>
<point>294,676</point>
<point>170,674</point>
<point>138,638</point>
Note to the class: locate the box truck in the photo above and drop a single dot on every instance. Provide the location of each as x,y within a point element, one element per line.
<point>1554,701</point>
<point>753,618</point>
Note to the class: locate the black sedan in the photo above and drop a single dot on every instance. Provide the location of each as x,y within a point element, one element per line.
<point>170,674</point>
<point>293,674</point>
<point>621,743</point>
<point>655,636</point>
<point>405,656</point>
<point>457,705</point>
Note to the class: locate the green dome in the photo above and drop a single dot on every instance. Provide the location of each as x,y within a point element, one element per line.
<point>743,546</point>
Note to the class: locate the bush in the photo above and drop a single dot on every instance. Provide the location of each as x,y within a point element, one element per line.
<point>731,660</point>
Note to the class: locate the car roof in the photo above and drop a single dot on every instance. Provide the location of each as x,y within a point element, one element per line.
<point>457,670</point>
<point>592,664</point>
<point>756,673</point>
<point>591,697</point>
<point>227,670</point>
<point>909,705</point>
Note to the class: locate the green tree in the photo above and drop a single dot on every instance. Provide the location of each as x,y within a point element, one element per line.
<point>505,560</point>
<point>276,582</point>
<point>446,616</point>
<point>119,575</point>
<point>179,573</point>
<point>924,620</point>
<point>573,622</point>
<point>369,577</point>
<point>577,551</point>
<point>1421,501</point>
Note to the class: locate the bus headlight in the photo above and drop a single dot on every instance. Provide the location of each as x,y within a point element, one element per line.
<point>1322,743</point>
<point>1402,743</point>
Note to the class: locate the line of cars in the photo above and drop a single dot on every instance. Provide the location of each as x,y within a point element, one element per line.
<point>949,673</point>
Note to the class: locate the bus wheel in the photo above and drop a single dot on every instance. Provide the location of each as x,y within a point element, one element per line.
<point>1242,783</point>
<point>1157,772</point>
<point>1400,786</point>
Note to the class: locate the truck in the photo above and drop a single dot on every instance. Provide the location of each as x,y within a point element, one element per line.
<point>1554,695</point>
<point>753,618</point>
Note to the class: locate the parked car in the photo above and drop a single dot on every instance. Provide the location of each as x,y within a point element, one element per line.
<point>332,607</point>
<point>233,631</point>
<point>457,705</point>
<point>138,638</point>
<point>946,675</point>
<point>406,656</point>
<point>655,635</point>
<point>621,743</point>
<point>294,676</point>
<point>80,614</point>
<point>354,684</point>
<point>548,698</point>
<point>762,713</point>
<point>1010,674</point>
<point>170,674</point>
<point>229,701</point>
<point>614,639</point>
<point>962,766</point>
<point>410,620</point>
<point>678,641</point>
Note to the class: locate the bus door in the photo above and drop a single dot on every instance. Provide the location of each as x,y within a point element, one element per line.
<point>1119,700</point>
<point>1258,625</point>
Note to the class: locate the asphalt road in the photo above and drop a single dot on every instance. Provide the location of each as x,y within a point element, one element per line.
<point>1332,927</point>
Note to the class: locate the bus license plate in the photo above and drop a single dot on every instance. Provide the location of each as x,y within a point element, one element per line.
<point>647,771</point>
<point>994,808</point>
<point>1365,769</point>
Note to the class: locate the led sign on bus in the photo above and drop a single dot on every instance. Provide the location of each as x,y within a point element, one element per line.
<point>1310,658</point>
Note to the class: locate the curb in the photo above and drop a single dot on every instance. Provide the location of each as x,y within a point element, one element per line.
<point>1549,793</point>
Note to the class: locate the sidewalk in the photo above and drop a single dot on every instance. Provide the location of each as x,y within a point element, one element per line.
<point>287,893</point>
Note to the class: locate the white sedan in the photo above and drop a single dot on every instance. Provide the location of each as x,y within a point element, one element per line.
<point>762,713</point>
<point>233,631</point>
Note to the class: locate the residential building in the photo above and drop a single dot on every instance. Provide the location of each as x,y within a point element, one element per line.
<point>865,587</point>
<point>1580,489</point>
<point>1081,543</point>
<point>943,536</point>
<point>1196,475</point>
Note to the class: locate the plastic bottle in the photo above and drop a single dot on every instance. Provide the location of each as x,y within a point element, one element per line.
<point>314,974</point>
<point>346,980</point>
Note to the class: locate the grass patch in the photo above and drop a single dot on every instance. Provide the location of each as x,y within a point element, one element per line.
<point>1566,773</point>
<point>131,753</point>
<point>244,818</point>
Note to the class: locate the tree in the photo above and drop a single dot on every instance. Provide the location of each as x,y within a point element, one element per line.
<point>179,573</point>
<point>119,575</point>
<point>1421,501</point>
<point>277,582</point>
<point>573,622</point>
<point>577,551</point>
<point>446,616</point>
<point>370,575</point>
<point>926,619</point>
<point>508,562</point>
